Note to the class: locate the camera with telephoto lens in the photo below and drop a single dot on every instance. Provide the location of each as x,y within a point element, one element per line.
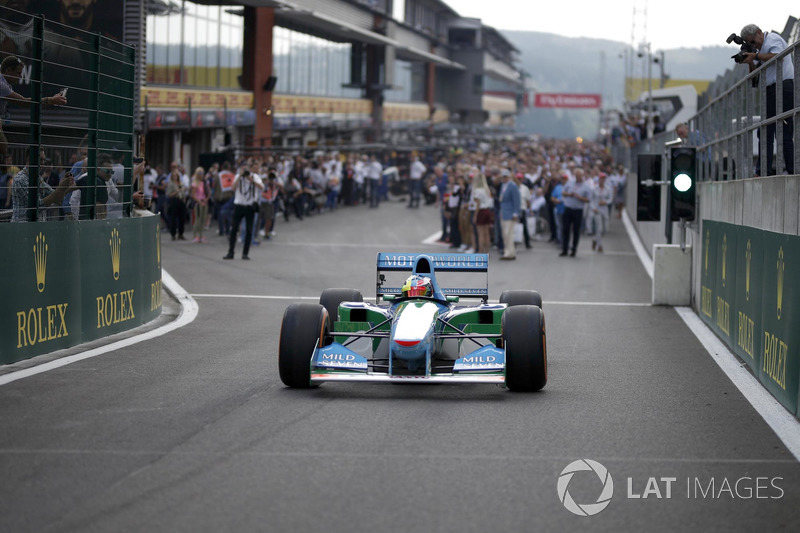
<point>746,48</point>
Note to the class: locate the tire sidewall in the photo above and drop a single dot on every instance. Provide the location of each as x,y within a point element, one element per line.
<point>525,344</point>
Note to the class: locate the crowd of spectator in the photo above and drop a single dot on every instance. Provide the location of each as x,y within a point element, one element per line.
<point>485,197</point>
<point>495,198</point>
<point>293,187</point>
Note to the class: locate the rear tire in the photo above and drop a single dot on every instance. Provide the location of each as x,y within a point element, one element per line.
<point>525,343</point>
<point>304,328</point>
<point>331,298</point>
<point>521,297</point>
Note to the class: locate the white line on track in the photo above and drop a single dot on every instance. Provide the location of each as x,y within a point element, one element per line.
<point>381,246</point>
<point>187,314</point>
<point>782,422</point>
<point>432,239</point>
<point>637,244</point>
<point>382,456</point>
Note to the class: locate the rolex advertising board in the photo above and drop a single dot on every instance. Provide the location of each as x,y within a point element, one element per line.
<point>708,272</point>
<point>751,299</point>
<point>113,296</point>
<point>746,320</point>
<point>725,281</point>
<point>41,311</point>
<point>74,282</point>
<point>779,369</point>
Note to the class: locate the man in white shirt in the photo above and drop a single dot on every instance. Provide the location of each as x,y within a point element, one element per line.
<point>600,202</point>
<point>374,175</point>
<point>359,174</point>
<point>150,177</point>
<point>769,45</point>
<point>247,189</point>
<point>415,174</point>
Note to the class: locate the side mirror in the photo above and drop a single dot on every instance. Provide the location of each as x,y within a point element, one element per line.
<point>389,297</point>
<point>452,299</point>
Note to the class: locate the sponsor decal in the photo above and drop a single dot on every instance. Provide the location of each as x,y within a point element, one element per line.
<point>117,307</point>
<point>748,256</point>
<point>566,100</point>
<point>724,258</point>
<point>155,295</point>
<point>447,292</point>
<point>440,261</point>
<point>40,261</point>
<point>332,359</point>
<point>115,243</point>
<point>158,243</point>
<point>781,270</point>
<point>45,323</point>
<point>41,324</point>
<point>478,362</point>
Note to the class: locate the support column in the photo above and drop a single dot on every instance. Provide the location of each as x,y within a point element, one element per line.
<point>430,90</point>
<point>258,53</point>
<point>374,90</point>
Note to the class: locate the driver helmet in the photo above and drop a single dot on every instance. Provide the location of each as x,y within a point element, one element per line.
<point>418,286</point>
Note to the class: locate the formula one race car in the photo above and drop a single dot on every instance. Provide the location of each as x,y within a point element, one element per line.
<point>419,334</point>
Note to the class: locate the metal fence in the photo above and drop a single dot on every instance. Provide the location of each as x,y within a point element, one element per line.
<point>92,135</point>
<point>732,130</point>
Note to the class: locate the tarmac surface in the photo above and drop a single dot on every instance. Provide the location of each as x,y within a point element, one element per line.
<point>193,430</point>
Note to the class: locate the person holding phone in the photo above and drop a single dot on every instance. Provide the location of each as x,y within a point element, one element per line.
<point>48,196</point>
<point>10,73</point>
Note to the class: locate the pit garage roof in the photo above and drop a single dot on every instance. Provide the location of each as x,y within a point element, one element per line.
<point>312,20</point>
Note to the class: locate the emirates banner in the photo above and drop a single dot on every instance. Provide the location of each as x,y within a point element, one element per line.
<point>569,101</point>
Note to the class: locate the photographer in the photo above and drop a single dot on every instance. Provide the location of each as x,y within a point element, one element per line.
<point>769,45</point>
<point>247,188</point>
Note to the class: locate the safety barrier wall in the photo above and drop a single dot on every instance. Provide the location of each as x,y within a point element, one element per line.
<point>71,282</point>
<point>750,297</point>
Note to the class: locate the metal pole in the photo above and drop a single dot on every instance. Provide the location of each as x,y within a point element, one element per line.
<point>89,195</point>
<point>649,93</point>
<point>683,235</point>
<point>667,182</point>
<point>35,119</point>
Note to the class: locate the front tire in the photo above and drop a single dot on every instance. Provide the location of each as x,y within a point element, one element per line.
<point>525,343</point>
<point>331,298</point>
<point>521,297</point>
<point>304,328</point>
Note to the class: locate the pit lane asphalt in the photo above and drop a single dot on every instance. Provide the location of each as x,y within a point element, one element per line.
<point>193,431</point>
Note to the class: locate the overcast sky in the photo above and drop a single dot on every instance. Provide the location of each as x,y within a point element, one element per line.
<point>670,23</point>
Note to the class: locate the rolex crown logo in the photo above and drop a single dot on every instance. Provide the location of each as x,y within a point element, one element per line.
<point>724,257</point>
<point>115,243</point>
<point>781,268</point>
<point>748,256</point>
<point>40,260</point>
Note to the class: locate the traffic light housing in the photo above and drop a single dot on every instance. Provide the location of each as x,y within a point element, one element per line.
<point>682,183</point>
<point>648,194</point>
